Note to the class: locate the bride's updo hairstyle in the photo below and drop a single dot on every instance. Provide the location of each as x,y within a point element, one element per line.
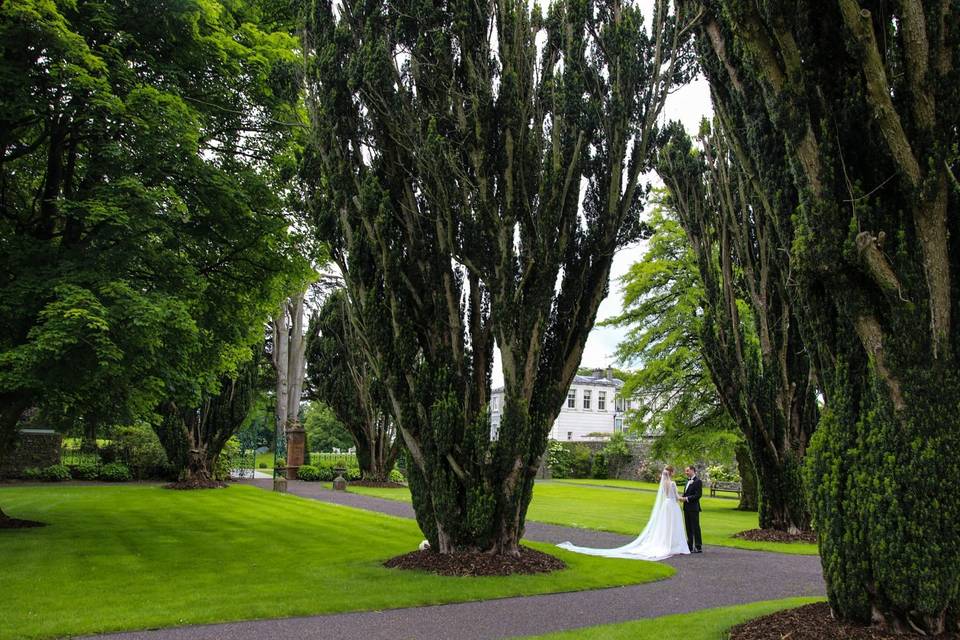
<point>668,469</point>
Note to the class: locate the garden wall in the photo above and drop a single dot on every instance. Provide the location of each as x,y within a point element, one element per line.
<point>32,448</point>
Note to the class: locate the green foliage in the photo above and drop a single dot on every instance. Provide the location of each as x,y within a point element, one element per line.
<point>309,473</point>
<point>143,218</point>
<point>465,227</point>
<point>138,447</point>
<point>397,476</point>
<point>722,473</point>
<point>616,453</point>
<point>663,314</point>
<point>85,471</point>
<point>55,473</point>
<point>559,459</point>
<point>32,473</point>
<point>263,465</point>
<point>598,468</point>
<point>226,458</point>
<point>115,472</point>
<point>324,431</point>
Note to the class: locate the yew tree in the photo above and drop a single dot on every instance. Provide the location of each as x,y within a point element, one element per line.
<point>340,376</point>
<point>478,164</point>
<point>749,331</point>
<point>855,108</point>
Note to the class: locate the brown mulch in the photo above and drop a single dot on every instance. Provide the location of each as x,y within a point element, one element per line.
<point>477,564</point>
<point>16,523</point>
<point>773,535</point>
<point>187,485</point>
<point>814,622</point>
<point>379,485</point>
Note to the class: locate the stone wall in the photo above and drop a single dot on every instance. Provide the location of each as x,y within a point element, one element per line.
<point>32,448</point>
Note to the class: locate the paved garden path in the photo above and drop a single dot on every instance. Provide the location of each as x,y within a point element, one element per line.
<point>720,576</point>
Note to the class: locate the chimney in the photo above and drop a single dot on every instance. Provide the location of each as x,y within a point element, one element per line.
<point>598,373</point>
<point>609,373</point>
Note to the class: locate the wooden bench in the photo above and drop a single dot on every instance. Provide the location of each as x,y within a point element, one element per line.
<point>731,487</point>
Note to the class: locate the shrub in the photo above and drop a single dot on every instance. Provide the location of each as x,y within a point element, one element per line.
<point>396,476</point>
<point>115,472</point>
<point>353,474</point>
<point>85,471</point>
<point>281,463</point>
<point>559,459</point>
<point>722,473</point>
<point>616,454</point>
<point>31,473</point>
<point>581,465</point>
<point>139,449</point>
<point>262,465</point>
<point>55,473</point>
<point>309,473</point>
<point>599,467</point>
<point>224,463</point>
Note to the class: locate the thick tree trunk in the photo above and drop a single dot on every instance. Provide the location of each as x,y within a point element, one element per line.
<point>749,498</point>
<point>782,501</point>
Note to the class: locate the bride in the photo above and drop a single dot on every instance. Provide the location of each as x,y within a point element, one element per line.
<point>664,535</point>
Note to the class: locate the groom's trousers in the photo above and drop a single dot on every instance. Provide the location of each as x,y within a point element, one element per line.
<point>691,518</point>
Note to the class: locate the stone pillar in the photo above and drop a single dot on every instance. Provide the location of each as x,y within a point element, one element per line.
<point>296,450</point>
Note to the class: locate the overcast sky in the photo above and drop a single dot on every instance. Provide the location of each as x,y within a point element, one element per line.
<point>688,105</point>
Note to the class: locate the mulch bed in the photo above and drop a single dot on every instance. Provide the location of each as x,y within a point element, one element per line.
<point>814,622</point>
<point>16,523</point>
<point>379,485</point>
<point>187,485</point>
<point>477,564</point>
<point>773,535</point>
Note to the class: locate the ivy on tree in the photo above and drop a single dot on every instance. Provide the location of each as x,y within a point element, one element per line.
<point>845,117</point>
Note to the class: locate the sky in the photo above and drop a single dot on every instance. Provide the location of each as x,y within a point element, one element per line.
<point>688,105</point>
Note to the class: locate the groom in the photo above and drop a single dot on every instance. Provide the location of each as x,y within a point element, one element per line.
<point>691,509</point>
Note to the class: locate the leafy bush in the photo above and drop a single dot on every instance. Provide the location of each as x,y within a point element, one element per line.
<point>581,465</point>
<point>309,473</point>
<point>139,449</point>
<point>559,459</point>
<point>280,463</point>
<point>722,473</point>
<point>599,467</point>
<point>231,449</point>
<point>85,471</point>
<point>262,465</point>
<point>115,472</point>
<point>396,476</point>
<point>616,454</point>
<point>31,473</point>
<point>55,473</point>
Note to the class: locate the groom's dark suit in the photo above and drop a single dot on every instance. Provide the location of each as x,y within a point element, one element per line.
<point>691,512</point>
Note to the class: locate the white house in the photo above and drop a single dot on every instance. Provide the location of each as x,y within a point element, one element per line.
<point>593,406</point>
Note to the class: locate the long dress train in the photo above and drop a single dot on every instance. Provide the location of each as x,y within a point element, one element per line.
<point>664,535</point>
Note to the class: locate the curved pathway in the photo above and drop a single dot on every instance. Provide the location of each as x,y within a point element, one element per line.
<point>720,576</point>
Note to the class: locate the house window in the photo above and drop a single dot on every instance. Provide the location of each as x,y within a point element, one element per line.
<point>601,400</point>
<point>569,435</point>
<point>620,405</point>
<point>571,399</point>
<point>618,425</point>
<point>494,404</point>
<point>586,399</point>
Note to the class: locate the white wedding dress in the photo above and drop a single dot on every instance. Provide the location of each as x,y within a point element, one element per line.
<point>664,535</point>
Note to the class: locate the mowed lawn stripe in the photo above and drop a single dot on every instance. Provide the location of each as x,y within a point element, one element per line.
<point>138,556</point>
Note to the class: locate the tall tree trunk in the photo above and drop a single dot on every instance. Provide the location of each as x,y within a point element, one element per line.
<point>89,441</point>
<point>749,496</point>
<point>859,120</point>
<point>289,344</point>
<point>467,226</point>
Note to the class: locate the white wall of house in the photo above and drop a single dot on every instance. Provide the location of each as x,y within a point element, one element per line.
<point>593,406</point>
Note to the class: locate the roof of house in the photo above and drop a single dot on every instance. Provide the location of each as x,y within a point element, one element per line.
<point>594,381</point>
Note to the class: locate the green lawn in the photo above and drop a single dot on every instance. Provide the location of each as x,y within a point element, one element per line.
<point>621,511</point>
<point>139,556</point>
<point>710,624</point>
